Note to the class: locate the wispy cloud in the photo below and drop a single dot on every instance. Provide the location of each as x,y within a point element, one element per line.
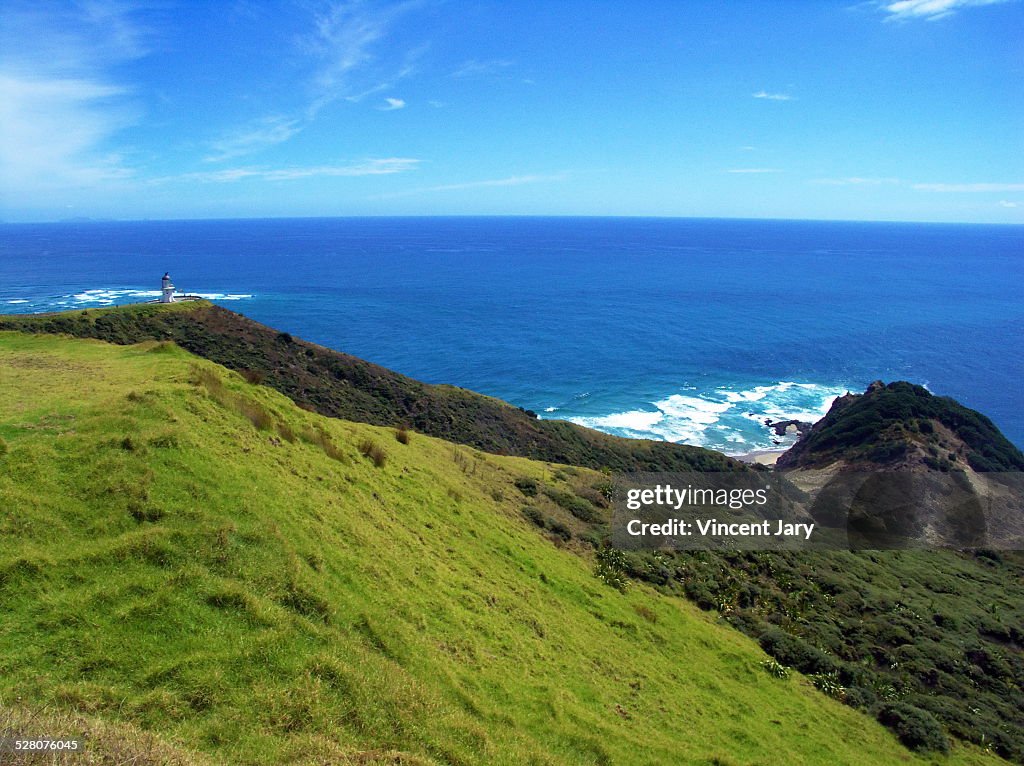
<point>1007,203</point>
<point>60,108</point>
<point>856,181</point>
<point>340,46</point>
<point>254,137</point>
<point>371,167</point>
<point>477,68</point>
<point>489,183</point>
<point>342,42</point>
<point>929,10</point>
<point>754,170</point>
<point>763,94</point>
<point>969,188</point>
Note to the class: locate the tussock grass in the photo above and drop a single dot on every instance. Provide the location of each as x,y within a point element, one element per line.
<point>104,743</point>
<point>372,450</point>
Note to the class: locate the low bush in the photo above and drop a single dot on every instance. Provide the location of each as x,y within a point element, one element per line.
<point>579,507</point>
<point>402,435</point>
<point>535,516</point>
<point>559,529</point>
<point>526,485</point>
<point>916,728</point>
<point>796,652</point>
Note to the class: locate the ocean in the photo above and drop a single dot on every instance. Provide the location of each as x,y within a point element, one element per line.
<point>688,330</point>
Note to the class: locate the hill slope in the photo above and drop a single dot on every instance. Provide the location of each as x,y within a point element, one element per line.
<point>193,555</point>
<point>343,386</point>
<point>903,425</point>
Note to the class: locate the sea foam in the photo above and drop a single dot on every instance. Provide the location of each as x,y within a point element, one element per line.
<point>726,418</point>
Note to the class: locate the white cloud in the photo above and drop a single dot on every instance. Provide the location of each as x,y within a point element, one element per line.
<point>342,42</point>
<point>254,137</point>
<point>1007,203</point>
<point>763,94</point>
<point>340,46</point>
<point>856,181</point>
<point>372,167</point>
<point>969,188</point>
<point>754,170</point>
<point>929,9</point>
<point>60,109</point>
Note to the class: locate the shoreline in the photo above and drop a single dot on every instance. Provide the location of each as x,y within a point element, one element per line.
<point>761,456</point>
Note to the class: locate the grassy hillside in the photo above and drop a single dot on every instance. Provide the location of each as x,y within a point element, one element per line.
<point>185,553</point>
<point>344,386</point>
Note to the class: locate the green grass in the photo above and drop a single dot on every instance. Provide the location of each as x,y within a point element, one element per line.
<point>343,386</point>
<point>171,562</point>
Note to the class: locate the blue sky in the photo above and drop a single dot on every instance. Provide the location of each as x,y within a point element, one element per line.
<point>891,110</point>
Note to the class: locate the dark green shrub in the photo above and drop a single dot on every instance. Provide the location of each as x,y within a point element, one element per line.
<point>526,485</point>
<point>859,697</point>
<point>916,728</point>
<point>534,515</point>
<point>579,507</point>
<point>794,651</point>
<point>559,529</point>
<point>701,595</point>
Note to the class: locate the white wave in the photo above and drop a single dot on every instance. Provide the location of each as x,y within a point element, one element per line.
<point>550,409</point>
<point>223,296</point>
<point>722,418</point>
<point>107,296</point>
<point>637,420</point>
<point>692,408</point>
<point>18,300</point>
<point>791,411</point>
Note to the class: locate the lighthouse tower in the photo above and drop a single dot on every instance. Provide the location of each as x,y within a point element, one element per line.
<point>166,289</point>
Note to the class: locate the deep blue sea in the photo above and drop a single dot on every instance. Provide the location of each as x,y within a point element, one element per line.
<point>683,329</point>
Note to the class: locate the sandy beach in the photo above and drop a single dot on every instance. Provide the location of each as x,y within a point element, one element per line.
<point>762,456</point>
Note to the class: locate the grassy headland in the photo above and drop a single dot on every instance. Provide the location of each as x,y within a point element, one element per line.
<point>343,386</point>
<point>187,553</point>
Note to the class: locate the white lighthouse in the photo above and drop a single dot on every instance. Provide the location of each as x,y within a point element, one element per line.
<point>167,289</point>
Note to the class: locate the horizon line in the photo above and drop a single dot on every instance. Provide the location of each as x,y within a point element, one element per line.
<point>384,216</point>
